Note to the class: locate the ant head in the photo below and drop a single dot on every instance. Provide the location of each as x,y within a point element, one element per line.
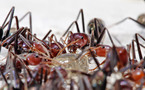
<point>95,25</point>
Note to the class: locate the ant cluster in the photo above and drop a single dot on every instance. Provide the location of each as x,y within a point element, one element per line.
<point>33,63</point>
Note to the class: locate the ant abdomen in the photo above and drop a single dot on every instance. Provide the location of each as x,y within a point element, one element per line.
<point>141,18</point>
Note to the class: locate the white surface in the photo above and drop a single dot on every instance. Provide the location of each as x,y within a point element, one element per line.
<point>58,14</point>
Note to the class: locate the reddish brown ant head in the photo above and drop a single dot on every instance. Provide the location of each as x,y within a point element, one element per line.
<point>55,48</point>
<point>33,59</point>
<point>82,41</point>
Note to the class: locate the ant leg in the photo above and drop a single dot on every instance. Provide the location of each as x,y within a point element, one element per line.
<point>16,45</point>
<point>51,38</point>
<point>30,19</point>
<point>72,84</point>
<point>41,76</point>
<point>47,35</point>
<point>96,60</point>
<point>133,51</point>
<point>10,22</point>
<point>87,83</point>
<point>83,22</point>
<point>96,28</point>
<point>101,36</point>
<point>17,23</point>
<point>97,66</point>
<point>4,77</point>
<point>40,42</point>
<point>11,11</point>
<point>92,39</point>
<point>10,39</point>
<point>67,46</point>
<point>55,41</point>
<point>125,20</point>
<point>45,76</point>
<point>138,47</point>
<point>77,27</point>
<point>25,40</point>
<point>10,63</point>
<point>69,33</point>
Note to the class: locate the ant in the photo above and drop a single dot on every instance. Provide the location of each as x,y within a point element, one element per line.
<point>78,40</point>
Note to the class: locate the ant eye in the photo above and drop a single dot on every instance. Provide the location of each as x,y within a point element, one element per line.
<point>36,56</point>
<point>82,37</point>
<point>103,47</point>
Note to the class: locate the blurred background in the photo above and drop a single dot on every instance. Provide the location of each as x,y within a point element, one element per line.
<point>59,14</point>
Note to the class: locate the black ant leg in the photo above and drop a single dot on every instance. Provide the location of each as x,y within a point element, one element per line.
<point>16,45</point>
<point>96,60</point>
<point>11,11</point>
<point>92,39</point>
<point>113,55</point>
<point>11,63</point>
<point>138,47</point>
<point>47,35</point>
<point>87,83</point>
<point>133,48</point>
<point>11,38</point>
<point>30,19</point>
<point>1,30</point>
<point>133,51</point>
<point>128,52</point>
<point>72,84</point>
<point>83,22</point>
<point>25,40</point>
<point>45,76</point>
<point>4,77</point>
<point>17,23</point>
<point>30,22</point>
<point>41,76</point>
<point>33,81</point>
<point>10,22</point>
<point>75,22</point>
<point>23,64</point>
<point>101,36</point>
<point>96,28</point>
<point>125,20</point>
